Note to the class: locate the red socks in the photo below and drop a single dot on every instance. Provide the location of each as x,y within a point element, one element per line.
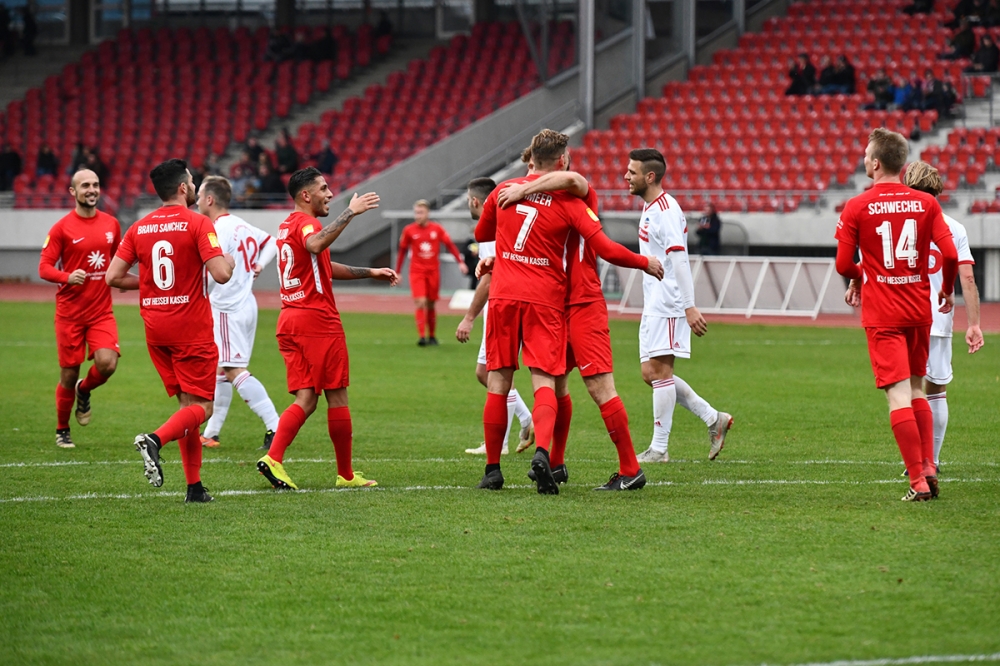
<point>560,433</point>
<point>432,319</point>
<point>616,421</point>
<point>543,416</point>
<point>421,317</point>
<point>338,423</point>
<point>64,405</point>
<point>190,446</point>
<point>925,424</point>
<point>183,422</point>
<point>93,379</point>
<point>904,428</point>
<point>288,427</point>
<point>495,426</point>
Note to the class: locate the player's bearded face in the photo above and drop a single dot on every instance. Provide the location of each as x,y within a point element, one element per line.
<point>636,181</point>
<point>190,195</point>
<point>87,194</point>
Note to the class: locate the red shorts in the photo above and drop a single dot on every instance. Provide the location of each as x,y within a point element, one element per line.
<point>588,339</point>
<point>187,368</point>
<point>538,331</point>
<point>71,338</point>
<point>317,363</point>
<point>898,353</point>
<point>425,284</point>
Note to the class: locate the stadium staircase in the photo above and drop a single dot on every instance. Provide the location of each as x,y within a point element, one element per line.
<point>131,100</point>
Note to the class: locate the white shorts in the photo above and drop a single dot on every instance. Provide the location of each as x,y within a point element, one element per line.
<point>482,345</point>
<point>664,336</point>
<point>234,334</point>
<point>939,361</point>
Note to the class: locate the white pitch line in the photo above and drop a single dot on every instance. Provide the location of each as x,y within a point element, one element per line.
<point>267,491</point>
<point>946,659</point>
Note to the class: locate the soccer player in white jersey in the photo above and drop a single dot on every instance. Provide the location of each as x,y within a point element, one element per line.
<point>668,312</point>
<point>234,311</point>
<point>922,176</point>
<point>478,190</point>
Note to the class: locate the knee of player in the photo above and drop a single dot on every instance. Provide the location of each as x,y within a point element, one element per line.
<point>481,373</point>
<point>107,366</point>
<point>601,387</point>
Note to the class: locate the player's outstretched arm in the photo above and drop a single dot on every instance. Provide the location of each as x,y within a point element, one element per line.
<point>479,299</point>
<point>619,255</point>
<point>970,293</point>
<point>342,272</point>
<point>325,237</point>
<point>569,181</point>
<point>118,275</point>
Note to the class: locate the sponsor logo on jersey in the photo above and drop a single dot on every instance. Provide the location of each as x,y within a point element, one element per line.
<point>96,260</point>
<point>213,240</point>
<point>306,230</point>
<point>898,279</point>
<point>77,240</point>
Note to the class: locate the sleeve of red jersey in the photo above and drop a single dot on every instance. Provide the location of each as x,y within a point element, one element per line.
<point>486,229</point>
<point>448,243</point>
<point>847,230</point>
<point>208,242</point>
<point>941,235</point>
<point>591,198</point>
<point>51,252</point>
<point>404,247</point>
<point>118,236</point>
<point>586,222</point>
<point>126,249</point>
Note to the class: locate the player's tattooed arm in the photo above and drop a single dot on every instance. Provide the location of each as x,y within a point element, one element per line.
<point>320,241</point>
<point>342,272</point>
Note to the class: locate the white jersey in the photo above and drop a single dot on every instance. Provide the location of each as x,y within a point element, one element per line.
<point>487,250</point>
<point>248,246</point>
<point>943,323</point>
<point>662,229</point>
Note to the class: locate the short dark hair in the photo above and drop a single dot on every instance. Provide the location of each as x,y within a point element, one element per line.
<point>652,160</point>
<point>168,176</point>
<point>220,189</point>
<point>301,179</point>
<point>481,187</point>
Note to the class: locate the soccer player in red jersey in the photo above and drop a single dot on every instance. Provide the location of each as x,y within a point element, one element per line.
<point>528,297</point>
<point>75,255</point>
<point>310,333</point>
<point>893,226</point>
<point>425,238</point>
<point>588,339</point>
<point>173,247</point>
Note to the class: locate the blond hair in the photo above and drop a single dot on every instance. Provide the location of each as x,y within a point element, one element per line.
<point>890,149</point>
<point>546,147</point>
<point>422,202</point>
<point>922,176</point>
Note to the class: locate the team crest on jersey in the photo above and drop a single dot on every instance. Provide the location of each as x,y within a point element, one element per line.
<point>110,236</point>
<point>213,240</point>
<point>46,243</point>
<point>434,235</point>
<point>593,215</point>
<point>306,230</point>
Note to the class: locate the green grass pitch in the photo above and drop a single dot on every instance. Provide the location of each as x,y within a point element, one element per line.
<point>793,547</point>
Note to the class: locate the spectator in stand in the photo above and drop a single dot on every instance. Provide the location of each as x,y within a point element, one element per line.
<point>710,231</point>
<point>243,176</point>
<point>908,93</point>
<point>78,161</point>
<point>384,26</point>
<point>264,159</point>
<point>95,164</point>
<point>326,160</point>
<point>10,166</point>
<point>986,58</point>
<point>279,47</point>
<point>991,17</point>
<point>919,7</point>
<point>300,49</point>
<point>959,12</point>
<point>47,163</point>
<point>288,157</point>
<point>270,182</point>
<point>932,91</point>
<point>212,167</point>
<point>29,31</point>
<point>845,76</point>
<point>6,35</point>
<point>325,48</point>
<point>803,76</point>
<point>881,88</point>
<point>963,42</point>
<point>827,78</point>
<point>254,149</point>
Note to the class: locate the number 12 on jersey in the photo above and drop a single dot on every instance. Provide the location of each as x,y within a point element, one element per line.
<point>906,246</point>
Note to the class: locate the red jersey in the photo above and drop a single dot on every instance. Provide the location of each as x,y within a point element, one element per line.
<point>531,243</point>
<point>307,305</point>
<point>426,244</point>
<point>581,264</point>
<point>893,226</point>
<point>73,243</point>
<point>172,245</point>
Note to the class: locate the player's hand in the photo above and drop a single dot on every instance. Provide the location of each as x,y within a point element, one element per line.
<point>946,301</point>
<point>974,338</point>
<point>386,275</point>
<point>853,295</point>
<point>462,268</point>
<point>360,204</point>
<point>510,195</point>
<point>696,321</point>
<point>464,329</point>
<point>484,266</point>
<point>655,268</point>
<point>79,276</point>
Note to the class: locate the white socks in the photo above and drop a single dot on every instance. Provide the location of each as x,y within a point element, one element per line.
<point>223,398</point>
<point>255,395</point>
<point>520,409</point>
<point>939,408</point>
<point>694,403</point>
<point>664,400</point>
